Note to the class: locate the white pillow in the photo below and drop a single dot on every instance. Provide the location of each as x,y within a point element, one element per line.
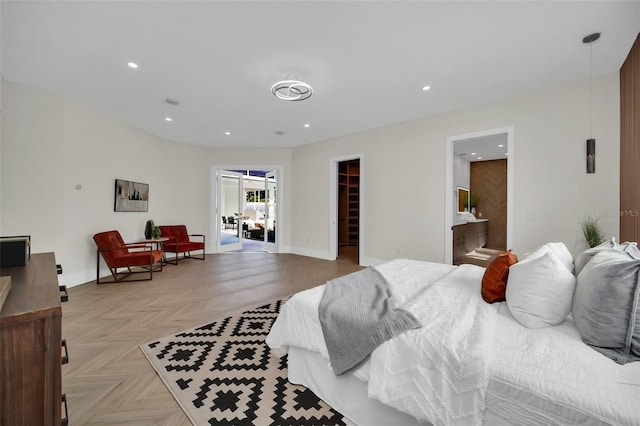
<point>534,254</point>
<point>560,250</point>
<point>540,291</point>
<point>562,253</point>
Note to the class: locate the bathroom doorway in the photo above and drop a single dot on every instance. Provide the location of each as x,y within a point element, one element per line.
<point>482,162</point>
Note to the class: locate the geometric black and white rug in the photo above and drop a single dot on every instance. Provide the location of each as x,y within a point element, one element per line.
<point>223,373</point>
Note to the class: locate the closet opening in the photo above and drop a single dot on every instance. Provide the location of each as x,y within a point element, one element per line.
<point>349,210</point>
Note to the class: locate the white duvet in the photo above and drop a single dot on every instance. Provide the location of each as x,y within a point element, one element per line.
<point>298,323</point>
<point>439,373</point>
<point>513,375</point>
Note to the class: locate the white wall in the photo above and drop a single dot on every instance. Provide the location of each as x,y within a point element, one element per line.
<point>32,166</point>
<point>53,145</point>
<point>1,81</point>
<point>404,174</point>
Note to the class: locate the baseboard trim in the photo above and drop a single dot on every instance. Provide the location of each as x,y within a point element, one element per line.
<point>84,277</point>
<point>319,254</point>
<point>79,278</point>
<point>371,261</point>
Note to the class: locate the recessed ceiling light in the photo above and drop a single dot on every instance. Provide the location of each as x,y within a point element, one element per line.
<point>479,158</point>
<point>168,119</point>
<point>500,146</point>
<point>227,133</point>
<point>425,88</point>
<point>132,65</point>
<point>306,125</point>
<point>506,153</point>
<point>473,153</point>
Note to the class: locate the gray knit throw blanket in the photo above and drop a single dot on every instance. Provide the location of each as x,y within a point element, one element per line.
<point>356,317</point>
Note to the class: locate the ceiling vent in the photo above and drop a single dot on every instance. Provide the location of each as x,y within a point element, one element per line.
<point>172,101</point>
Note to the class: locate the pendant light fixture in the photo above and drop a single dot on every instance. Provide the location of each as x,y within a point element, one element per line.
<point>591,142</point>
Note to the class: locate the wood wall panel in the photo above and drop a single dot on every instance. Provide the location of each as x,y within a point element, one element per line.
<point>630,145</point>
<point>489,182</point>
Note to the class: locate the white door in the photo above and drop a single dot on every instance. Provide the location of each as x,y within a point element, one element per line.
<point>229,208</point>
<point>270,234</point>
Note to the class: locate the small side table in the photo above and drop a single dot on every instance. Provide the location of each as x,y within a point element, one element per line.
<point>159,245</point>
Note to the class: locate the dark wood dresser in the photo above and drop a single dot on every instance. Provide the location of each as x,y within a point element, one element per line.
<point>30,345</point>
<point>469,240</point>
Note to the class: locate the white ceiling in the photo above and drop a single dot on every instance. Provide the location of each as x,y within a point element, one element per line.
<point>367,61</point>
<point>493,147</point>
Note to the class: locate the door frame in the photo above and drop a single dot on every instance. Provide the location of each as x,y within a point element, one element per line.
<point>234,175</point>
<point>267,245</point>
<point>450,190</point>
<point>214,215</point>
<point>333,205</point>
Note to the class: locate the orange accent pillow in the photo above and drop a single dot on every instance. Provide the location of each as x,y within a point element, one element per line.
<point>494,281</point>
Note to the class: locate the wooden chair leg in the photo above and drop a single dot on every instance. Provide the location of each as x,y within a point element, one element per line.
<point>121,276</point>
<point>98,267</point>
<point>188,254</point>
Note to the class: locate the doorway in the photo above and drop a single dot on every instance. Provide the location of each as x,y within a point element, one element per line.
<point>230,206</point>
<point>493,151</point>
<point>246,209</point>
<point>349,210</point>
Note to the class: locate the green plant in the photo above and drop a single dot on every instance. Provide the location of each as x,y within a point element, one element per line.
<point>473,199</point>
<point>469,199</point>
<point>151,230</point>
<point>591,231</point>
<point>256,196</point>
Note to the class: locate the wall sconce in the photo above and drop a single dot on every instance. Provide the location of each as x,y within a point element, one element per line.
<point>591,143</point>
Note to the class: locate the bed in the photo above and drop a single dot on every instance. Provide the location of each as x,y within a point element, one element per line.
<point>470,363</point>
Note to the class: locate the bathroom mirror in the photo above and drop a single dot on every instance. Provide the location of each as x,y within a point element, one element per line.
<point>463,199</point>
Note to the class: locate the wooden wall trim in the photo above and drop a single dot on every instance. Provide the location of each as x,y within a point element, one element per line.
<point>489,181</point>
<point>630,145</point>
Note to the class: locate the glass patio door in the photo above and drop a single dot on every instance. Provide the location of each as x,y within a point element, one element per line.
<point>229,207</point>
<point>270,186</point>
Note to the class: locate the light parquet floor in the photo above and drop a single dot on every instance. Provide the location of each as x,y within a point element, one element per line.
<point>108,381</point>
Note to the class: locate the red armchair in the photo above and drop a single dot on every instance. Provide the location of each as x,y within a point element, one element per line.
<point>180,241</point>
<point>119,255</point>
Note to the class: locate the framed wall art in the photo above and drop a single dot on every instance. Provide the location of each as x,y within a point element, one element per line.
<point>131,196</point>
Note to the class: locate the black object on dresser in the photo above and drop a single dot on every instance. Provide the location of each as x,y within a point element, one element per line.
<point>14,251</point>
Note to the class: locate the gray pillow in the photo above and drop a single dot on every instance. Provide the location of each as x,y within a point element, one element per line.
<point>605,305</point>
<point>632,250</point>
<point>583,258</point>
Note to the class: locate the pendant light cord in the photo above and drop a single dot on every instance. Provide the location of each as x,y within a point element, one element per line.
<point>591,90</point>
<point>590,39</point>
